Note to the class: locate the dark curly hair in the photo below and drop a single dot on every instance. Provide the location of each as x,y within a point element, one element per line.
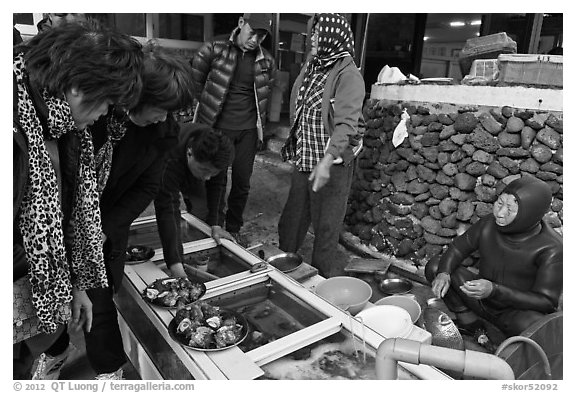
<point>211,146</point>
<point>102,63</point>
<point>167,80</point>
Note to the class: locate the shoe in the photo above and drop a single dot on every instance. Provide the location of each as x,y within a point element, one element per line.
<point>240,239</point>
<point>116,375</point>
<point>49,367</point>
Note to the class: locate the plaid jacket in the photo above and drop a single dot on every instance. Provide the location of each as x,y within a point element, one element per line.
<point>341,113</point>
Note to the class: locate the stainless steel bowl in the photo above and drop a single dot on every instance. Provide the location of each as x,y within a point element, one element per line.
<point>286,262</point>
<point>435,302</point>
<point>395,286</point>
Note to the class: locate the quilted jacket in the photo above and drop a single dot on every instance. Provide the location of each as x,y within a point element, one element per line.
<point>213,68</point>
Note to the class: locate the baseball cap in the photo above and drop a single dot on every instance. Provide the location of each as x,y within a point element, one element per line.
<point>259,21</point>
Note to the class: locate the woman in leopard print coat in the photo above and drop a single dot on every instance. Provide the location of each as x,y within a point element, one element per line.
<point>64,80</point>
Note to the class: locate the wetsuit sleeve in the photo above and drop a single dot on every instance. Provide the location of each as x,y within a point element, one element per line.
<point>167,207</point>
<point>461,248</point>
<point>545,292</point>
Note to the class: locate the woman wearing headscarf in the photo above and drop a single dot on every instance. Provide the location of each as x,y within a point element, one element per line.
<point>326,113</point>
<point>64,80</point>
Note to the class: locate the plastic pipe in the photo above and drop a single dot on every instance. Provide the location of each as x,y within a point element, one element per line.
<point>470,363</point>
<point>513,339</point>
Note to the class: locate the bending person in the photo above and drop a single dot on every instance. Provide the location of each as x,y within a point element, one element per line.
<point>130,155</point>
<point>64,80</point>
<point>520,266</point>
<point>202,153</point>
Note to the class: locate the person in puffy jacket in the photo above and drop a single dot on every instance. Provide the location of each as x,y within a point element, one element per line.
<point>520,266</point>
<point>52,20</point>
<point>232,81</point>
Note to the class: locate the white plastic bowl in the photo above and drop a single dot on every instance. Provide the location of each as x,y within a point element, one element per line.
<point>388,321</point>
<point>348,293</point>
<point>405,302</point>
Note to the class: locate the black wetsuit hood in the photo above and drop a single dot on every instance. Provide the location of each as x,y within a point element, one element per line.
<point>534,198</point>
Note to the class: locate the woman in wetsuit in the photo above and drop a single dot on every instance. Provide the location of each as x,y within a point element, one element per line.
<point>520,266</point>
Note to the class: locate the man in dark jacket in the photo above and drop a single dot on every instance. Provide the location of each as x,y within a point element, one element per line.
<point>201,154</point>
<point>232,81</point>
<point>520,266</point>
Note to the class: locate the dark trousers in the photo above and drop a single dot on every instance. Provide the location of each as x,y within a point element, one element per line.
<point>510,320</point>
<point>324,209</point>
<point>245,146</point>
<point>104,347</point>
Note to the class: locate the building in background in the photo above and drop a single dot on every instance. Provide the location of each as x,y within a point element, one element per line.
<point>425,45</point>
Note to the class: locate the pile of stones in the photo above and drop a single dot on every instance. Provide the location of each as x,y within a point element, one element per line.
<point>410,201</point>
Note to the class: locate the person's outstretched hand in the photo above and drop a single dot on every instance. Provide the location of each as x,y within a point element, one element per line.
<point>177,270</point>
<point>219,233</point>
<point>321,172</point>
<point>441,284</point>
<point>477,289</point>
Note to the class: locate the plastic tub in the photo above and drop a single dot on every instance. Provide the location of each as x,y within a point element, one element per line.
<point>349,293</point>
<point>389,321</point>
<point>404,302</point>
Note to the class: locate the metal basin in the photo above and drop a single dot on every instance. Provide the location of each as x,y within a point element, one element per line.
<point>395,286</point>
<point>286,262</point>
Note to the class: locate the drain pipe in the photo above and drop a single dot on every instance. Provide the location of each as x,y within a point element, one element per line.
<point>470,363</point>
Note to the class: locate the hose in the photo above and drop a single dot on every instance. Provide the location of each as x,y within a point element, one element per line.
<point>513,339</point>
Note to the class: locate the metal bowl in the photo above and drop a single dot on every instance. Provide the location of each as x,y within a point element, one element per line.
<point>395,286</point>
<point>286,262</point>
<point>224,313</point>
<point>137,254</point>
<point>435,302</point>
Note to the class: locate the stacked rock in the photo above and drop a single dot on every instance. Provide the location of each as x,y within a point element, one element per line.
<point>412,200</point>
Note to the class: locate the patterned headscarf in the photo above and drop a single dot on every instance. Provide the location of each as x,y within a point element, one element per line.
<point>41,215</point>
<point>308,139</point>
<point>335,38</point>
<point>335,41</point>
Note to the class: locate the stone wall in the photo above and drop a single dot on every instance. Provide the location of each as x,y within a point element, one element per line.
<point>411,201</point>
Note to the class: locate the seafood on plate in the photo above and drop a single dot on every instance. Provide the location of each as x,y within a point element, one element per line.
<point>173,292</point>
<point>136,253</point>
<point>206,327</point>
